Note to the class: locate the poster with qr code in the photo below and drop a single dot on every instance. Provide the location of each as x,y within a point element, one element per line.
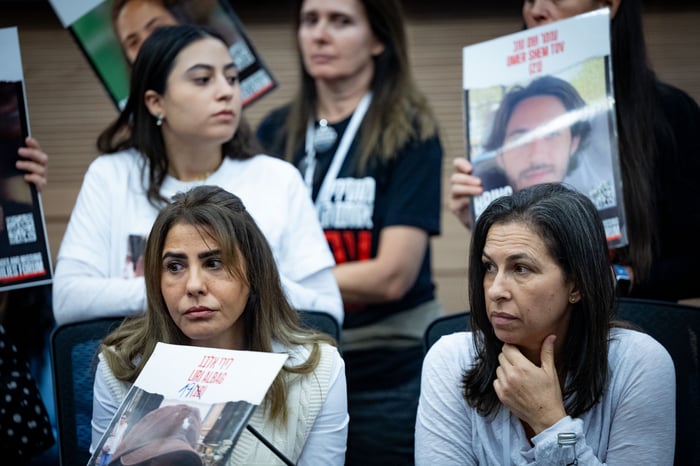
<point>110,34</point>
<point>539,107</point>
<point>24,250</point>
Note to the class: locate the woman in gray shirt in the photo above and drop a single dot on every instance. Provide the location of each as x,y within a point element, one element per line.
<point>544,357</point>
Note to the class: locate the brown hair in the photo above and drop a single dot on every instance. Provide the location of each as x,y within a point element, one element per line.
<point>268,315</point>
<point>399,111</point>
<point>135,127</point>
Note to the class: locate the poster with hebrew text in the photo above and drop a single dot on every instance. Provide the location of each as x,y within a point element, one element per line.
<point>539,107</point>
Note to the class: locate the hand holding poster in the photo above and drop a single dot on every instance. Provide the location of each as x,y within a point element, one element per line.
<point>110,33</point>
<point>189,405</point>
<point>539,108</point>
<point>24,249</point>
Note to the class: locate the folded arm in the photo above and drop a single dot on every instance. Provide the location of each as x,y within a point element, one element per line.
<point>389,275</point>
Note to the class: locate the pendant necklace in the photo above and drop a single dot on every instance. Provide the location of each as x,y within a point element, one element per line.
<point>340,152</point>
<point>324,136</point>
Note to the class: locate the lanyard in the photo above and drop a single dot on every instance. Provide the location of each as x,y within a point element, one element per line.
<point>340,153</point>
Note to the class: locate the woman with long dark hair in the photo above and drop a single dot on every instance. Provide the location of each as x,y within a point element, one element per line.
<point>544,359</point>
<point>366,141</point>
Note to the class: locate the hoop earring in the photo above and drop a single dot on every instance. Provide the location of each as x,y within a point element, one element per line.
<point>159,119</point>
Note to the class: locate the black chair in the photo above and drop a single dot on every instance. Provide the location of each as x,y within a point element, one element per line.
<point>321,321</point>
<point>445,325</point>
<point>74,360</point>
<point>677,328</point>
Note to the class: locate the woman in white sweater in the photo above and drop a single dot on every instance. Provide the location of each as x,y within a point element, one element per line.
<point>211,281</point>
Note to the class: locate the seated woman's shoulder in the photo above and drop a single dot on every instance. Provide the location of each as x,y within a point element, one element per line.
<point>300,353</point>
<point>456,348</point>
<point>328,350</point>
<point>629,346</point>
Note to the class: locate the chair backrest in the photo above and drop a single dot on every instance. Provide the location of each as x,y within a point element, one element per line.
<point>74,359</point>
<point>445,325</point>
<point>677,328</point>
<point>321,321</point>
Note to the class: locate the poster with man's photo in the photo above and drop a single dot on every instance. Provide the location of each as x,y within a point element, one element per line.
<point>110,34</point>
<point>539,107</point>
<point>24,249</point>
<point>189,405</point>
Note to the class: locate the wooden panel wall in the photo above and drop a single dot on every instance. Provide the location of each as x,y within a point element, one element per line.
<point>68,106</point>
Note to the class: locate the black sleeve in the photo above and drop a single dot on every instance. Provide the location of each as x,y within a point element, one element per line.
<point>270,132</point>
<point>675,273</point>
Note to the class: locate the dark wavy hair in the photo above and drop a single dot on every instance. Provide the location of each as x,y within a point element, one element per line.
<point>135,127</point>
<point>572,231</point>
<point>544,86</point>
<point>641,125</point>
<point>246,255</point>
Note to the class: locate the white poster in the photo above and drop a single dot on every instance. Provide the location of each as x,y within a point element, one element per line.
<point>539,107</point>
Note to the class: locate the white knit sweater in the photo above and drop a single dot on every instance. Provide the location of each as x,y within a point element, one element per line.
<point>305,397</point>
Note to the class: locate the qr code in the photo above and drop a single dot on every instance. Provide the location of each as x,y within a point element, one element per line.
<point>255,84</point>
<point>603,195</point>
<point>21,229</point>
<point>612,227</point>
<point>242,55</point>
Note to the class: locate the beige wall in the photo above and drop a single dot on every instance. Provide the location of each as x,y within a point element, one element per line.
<point>68,106</point>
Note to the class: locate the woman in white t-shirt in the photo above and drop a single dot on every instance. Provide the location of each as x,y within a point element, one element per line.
<point>182,127</point>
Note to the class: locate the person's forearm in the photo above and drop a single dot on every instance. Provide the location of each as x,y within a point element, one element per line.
<point>389,275</point>
<point>317,292</point>
<point>367,282</point>
<point>78,296</point>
